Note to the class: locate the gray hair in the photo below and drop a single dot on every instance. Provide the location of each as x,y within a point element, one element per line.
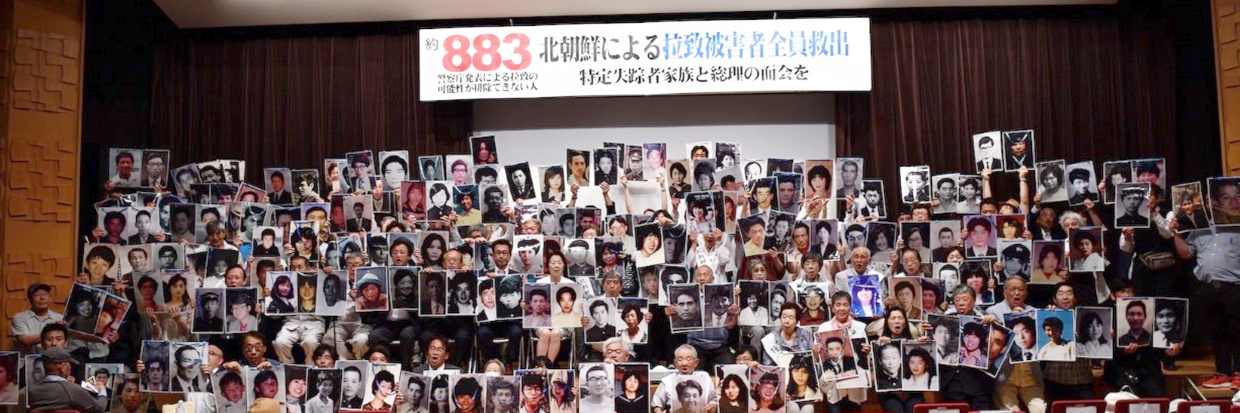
<point>624,345</point>
<point>964,289</point>
<point>868,253</point>
<point>690,348</point>
<point>1063,219</point>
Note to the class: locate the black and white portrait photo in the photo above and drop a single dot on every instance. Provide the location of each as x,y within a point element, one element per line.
<point>634,162</point>
<point>393,169</point>
<point>277,185</point>
<point>186,373</point>
<point>727,154</point>
<point>1170,322</point>
<point>430,168</point>
<point>462,293</point>
<point>1095,333</point>
<point>1018,149</point>
<point>155,168</point>
<point>1052,185</point>
<point>209,311</point>
<point>1115,173</point>
<point>944,237</point>
<point>872,201</point>
<point>848,174</point>
<point>987,154</point>
<point>1132,206</point>
<point>305,186</point>
<point>331,299</point>
<point>1015,255</point>
<point>324,393</point>
<point>1081,183</point>
<point>520,181</point>
<point>359,213</point>
<point>606,166</point>
<point>155,378</point>
<point>915,184</point>
<point>600,312</point>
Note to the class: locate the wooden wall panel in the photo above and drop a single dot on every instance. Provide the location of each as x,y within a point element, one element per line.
<point>1226,17</point>
<point>40,143</point>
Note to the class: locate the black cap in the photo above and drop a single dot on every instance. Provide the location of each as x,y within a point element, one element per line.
<point>57,355</point>
<point>36,287</point>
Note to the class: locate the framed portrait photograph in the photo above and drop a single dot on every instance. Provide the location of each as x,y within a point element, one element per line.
<point>1051,180</point>
<point>1056,335</point>
<point>1170,321</point>
<point>687,300</point>
<point>1189,205</point>
<point>1018,149</point>
<point>655,156</point>
<point>1224,201</point>
<point>1082,183</point>
<point>983,237</point>
<point>915,184</point>
<point>1115,173</point>
<point>484,150</point>
<point>1085,247</point>
<point>1132,205</point>
<point>1095,329</point>
<point>1133,321</point>
<point>987,154</point>
<point>430,168</point>
<point>974,339</point>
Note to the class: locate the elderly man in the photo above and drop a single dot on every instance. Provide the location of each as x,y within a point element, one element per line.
<point>437,354</point>
<point>859,265</point>
<point>56,392</point>
<point>686,369</point>
<point>1018,382</point>
<point>964,383</point>
<point>616,350</point>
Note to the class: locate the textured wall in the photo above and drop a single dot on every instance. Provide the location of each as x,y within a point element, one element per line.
<point>41,69</point>
<point>1227,49</point>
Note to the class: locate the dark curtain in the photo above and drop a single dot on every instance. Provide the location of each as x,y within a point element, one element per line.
<point>293,97</point>
<point>1095,84</point>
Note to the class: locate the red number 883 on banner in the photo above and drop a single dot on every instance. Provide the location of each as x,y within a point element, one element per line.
<point>486,54</point>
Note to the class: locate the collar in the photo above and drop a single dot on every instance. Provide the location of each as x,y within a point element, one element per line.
<point>52,378</point>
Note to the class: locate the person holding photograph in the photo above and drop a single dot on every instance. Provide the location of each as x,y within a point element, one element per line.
<point>1067,380</point>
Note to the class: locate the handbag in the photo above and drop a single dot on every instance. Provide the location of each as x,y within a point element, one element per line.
<point>1157,260</point>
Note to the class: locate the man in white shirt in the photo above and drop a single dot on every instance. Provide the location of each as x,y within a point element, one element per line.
<point>860,260</point>
<point>686,361</point>
<point>26,326</point>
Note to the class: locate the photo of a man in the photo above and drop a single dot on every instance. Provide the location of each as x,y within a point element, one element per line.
<point>1018,149</point>
<point>1133,209</point>
<point>600,310</point>
<point>1136,325</point>
<point>985,154</point>
<point>123,169</point>
<point>155,168</point>
<point>685,299</point>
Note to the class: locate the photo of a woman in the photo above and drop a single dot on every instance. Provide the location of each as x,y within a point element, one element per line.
<point>766,397</point>
<point>733,395</point>
<point>553,184</point>
<point>973,336</point>
<point>283,299</point>
<point>650,245</point>
<point>405,291</point>
<point>920,372</point>
<point>1087,254</point>
<point>802,385</point>
<point>1093,334</point>
<point>1049,268</point>
<point>440,199</point>
<point>432,251</point>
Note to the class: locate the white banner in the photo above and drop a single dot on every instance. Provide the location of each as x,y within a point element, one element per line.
<point>645,59</point>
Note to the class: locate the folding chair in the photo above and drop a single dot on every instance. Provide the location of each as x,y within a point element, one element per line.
<point>941,408</point>
<point>1204,406</point>
<point>1151,405</point>
<point>1079,406</point>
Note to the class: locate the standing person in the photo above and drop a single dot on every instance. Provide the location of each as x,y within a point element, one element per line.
<point>964,383</point>
<point>1217,295</point>
<point>844,400</point>
<point>1019,382</point>
<point>1067,380</point>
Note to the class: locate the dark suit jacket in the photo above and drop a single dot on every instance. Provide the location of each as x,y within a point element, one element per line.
<point>994,165</point>
<point>990,252</point>
<point>598,335</point>
<point>352,225</point>
<point>135,239</point>
<point>280,198</point>
<point>63,395</point>
<point>424,367</point>
<point>1131,220</point>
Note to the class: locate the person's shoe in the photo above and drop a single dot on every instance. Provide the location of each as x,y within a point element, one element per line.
<point>1169,364</point>
<point>1217,382</point>
<point>1235,381</point>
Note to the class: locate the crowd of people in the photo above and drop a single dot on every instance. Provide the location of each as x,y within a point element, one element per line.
<point>759,285</point>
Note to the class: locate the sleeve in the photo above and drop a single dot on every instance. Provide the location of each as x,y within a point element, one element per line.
<point>1163,224</point>
<point>1124,245</point>
<point>662,397</point>
<point>18,326</point>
